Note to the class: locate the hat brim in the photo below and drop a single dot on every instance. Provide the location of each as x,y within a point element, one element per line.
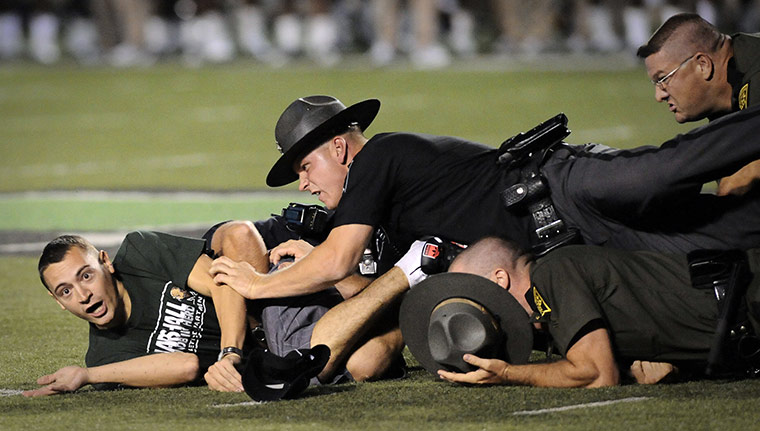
<point>419,302</point>
<point>290,374</point>
<point>362,113</point>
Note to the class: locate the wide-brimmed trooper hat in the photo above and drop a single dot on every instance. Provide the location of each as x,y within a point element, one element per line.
<point>448,315</point>
<point>308,122</point>
<point>268,377</point>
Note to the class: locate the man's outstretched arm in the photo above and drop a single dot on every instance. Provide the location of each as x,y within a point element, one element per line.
<point>151,371</point>
<point>589,363</point>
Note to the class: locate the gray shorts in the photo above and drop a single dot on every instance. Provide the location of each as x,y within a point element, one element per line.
<point>289,322</point>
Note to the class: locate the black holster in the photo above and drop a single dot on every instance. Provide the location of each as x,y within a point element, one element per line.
<point>735,346</point>
<point>527,152</point>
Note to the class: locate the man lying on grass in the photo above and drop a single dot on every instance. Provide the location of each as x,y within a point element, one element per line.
<point>158,319</point>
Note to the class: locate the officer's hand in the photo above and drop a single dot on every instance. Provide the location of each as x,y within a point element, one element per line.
<point>67,379</point>
<point>238,275</point>
<point>648,373</point>
<point>741,182</point>
<point>411,263</point>
<point>295,248</point>
<point>489,372</point>
<point>223,376</point>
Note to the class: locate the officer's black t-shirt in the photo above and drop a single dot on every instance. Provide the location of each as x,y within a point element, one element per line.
<point>166,316</point>
<point>415,185</point>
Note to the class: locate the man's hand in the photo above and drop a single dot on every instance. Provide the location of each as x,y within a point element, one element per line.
<point>490,372</point>
<point>238,275</point>
<point>67,379</point>
<point>649,373</point>
<point>740,182</point>
<point>223,376</point>
<point>292,247</point>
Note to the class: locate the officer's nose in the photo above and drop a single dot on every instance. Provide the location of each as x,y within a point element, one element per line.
<point>303,182</point>
<point>660,94</point>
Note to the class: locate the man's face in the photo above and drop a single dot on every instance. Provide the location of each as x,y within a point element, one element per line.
<point>322,173</point>
<point>84,285</point>
<point>684,91</point>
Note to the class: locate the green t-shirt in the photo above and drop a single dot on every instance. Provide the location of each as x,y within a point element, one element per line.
<point>166,316</point>
<point>644,299</point>
<point>744,70</point>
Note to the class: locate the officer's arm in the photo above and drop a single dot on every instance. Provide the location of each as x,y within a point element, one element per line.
<point>332,261</point>
<point>151,371</point>
<point>589,363</point>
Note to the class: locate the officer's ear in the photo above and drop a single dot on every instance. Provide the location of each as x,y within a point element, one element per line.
<point>339,149</point>
<point>704,65</point>
<point>501,277</point>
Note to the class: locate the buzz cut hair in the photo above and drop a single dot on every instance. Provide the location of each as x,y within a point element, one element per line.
<point>56,250</point>
<point>489,253</point>
<point>688,27</point>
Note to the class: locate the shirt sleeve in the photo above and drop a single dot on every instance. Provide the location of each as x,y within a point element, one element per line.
<point>370,182</point>
<point>151,254</point>
<point>559,293</point>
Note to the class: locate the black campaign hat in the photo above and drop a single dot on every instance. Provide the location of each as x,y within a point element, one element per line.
<point>448,315</point>
<point>308,121</point>
<point>268,377</point>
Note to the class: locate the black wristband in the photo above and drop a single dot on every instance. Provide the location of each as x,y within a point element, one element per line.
<point>229,350</point>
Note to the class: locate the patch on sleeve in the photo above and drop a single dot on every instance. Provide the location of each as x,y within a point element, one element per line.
<point>744,96</point>
<point>541,306</point>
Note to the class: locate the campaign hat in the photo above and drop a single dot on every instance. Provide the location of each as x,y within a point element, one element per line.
<point>308,122</point>
<point>268,377</point>
<point>448,315</point>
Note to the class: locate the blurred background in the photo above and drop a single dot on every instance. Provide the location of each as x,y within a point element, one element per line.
<point>159,114</point>
<point>422,33</point>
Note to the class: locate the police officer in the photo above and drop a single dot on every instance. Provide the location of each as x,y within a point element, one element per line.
<point>603,308</point>
<point>702,73</point>
<point>415,185</point>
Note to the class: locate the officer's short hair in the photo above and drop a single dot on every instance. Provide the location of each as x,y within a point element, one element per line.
<point>490,253</point>
<point>701,33</point>
<point>56,249</point>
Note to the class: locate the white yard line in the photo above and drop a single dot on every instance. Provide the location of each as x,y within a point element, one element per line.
<point>178,161</point>
<point>579,406</point>
<point>243,404</point>
<point>10,392</point>
<point>143,195</point>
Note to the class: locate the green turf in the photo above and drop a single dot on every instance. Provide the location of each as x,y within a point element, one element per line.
<point>117,212</point>
<point>38,338</point>
<point>212,128</point>
<point>168,127</point>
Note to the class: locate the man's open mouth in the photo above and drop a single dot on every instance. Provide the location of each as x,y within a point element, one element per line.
<point>95,309</point>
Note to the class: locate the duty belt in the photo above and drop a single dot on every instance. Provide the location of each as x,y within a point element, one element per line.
<point>726,273</point>
<point>527,151</point>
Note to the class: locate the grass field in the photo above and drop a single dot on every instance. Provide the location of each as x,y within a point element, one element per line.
<point>168,128</point>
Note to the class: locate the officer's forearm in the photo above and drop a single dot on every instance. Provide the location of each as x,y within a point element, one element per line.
<point>326,265</point>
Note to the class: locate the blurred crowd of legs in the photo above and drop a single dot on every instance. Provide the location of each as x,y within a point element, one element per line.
<point>425,33</point>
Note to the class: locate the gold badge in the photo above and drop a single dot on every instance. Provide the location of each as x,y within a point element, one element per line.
<point>744,96</point>
<point>541,305</point>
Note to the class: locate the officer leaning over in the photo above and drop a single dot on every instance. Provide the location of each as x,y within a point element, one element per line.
<point>703,73</point>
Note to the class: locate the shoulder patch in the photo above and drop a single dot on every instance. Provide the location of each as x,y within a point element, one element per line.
<point>541,306</point>
<point>744,96</point>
